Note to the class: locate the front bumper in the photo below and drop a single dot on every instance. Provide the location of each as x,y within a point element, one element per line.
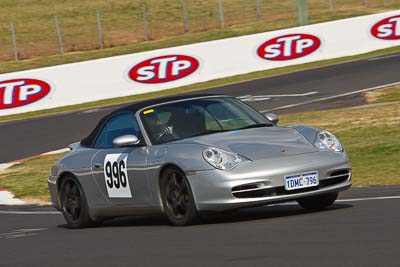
<point>52,184</point>
<point>214,190</point>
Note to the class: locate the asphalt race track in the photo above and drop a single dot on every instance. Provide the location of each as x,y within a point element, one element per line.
<point>26,138</point>
<point>362,229</point>
<point>357,231</point>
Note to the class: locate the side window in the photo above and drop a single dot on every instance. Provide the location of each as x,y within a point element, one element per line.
<point>117,126</point>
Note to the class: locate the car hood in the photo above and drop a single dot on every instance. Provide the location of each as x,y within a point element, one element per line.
<point>258,143</point>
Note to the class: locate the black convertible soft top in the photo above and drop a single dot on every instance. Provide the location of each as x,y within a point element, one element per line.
<point>133,108</point>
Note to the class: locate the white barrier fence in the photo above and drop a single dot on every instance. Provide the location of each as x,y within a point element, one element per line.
<point>162,69</point>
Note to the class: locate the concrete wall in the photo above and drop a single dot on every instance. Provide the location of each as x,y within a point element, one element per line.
<point>162,69</point>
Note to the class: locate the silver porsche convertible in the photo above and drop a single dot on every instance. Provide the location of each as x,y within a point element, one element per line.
<point>184,156</point>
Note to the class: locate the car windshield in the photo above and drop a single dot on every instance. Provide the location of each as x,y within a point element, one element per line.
<point>190,118</point>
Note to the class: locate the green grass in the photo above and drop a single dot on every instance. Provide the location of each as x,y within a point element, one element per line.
<point>390,94</point>
<point>122,25</point>
<point>374,153</point>
<point>29,179</point>
<point>370,135</point>
<point>198,86</point>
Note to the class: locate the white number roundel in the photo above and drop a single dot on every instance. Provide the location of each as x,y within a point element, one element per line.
<point>116,175</point>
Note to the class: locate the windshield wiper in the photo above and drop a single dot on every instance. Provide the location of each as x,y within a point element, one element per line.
<point>230,130</point>
<point>259,125</point>
<point>208,132</point>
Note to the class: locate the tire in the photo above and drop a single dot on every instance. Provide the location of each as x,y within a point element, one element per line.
<point>73,204</point>
<point>177,198</point>
<point>318,202</point>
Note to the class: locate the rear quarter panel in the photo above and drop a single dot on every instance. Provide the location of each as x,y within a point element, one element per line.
<point>78,163</point>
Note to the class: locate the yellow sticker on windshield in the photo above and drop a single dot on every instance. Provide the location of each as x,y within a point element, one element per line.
<point>148,111</point>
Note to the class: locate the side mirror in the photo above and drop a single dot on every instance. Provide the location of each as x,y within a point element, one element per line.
<point>272,117</point>
<point>126,140</point>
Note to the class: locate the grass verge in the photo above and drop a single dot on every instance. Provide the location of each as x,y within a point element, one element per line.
<point>199,86</point>
<point>389,94</point>
<point>28,180</point>
<point>371,135</point>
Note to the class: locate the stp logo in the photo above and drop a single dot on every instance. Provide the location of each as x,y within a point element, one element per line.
<point>289,47</point>
<point>164,69</point>
<point>387,29</point>
<point>21,92</point>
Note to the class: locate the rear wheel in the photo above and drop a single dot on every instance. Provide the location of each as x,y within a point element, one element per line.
<point>73,203</point>
<point>177,198</point>
<point>318,202</point>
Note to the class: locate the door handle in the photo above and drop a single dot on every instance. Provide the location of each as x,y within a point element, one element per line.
<point>97,165</point>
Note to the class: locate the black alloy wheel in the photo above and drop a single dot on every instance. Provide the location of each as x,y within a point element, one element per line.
<point>177,198</point>
<point>73,203</point>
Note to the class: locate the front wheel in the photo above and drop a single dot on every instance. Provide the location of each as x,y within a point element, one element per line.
<point>177,198</point>
<point>318,202</point>
<point>73,203</point>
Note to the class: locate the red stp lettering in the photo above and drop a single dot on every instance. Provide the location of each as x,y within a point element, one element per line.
<point>387,29</point>
<point>21,92</point>
<point>164,69</point>
<point>289,47</point>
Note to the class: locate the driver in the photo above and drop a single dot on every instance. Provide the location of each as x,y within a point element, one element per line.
<point>156,127</point>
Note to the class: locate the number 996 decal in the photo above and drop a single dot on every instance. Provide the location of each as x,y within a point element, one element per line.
<point>116,175</point>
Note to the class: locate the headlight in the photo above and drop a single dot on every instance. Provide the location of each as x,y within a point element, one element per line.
<point>221,159</point>
<point>325,140</point>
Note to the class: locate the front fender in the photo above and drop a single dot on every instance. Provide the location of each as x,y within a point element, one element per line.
<point>310,133</point>
<point>188,157</point>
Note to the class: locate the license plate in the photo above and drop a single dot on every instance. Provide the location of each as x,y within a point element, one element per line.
<point>300,181</point>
